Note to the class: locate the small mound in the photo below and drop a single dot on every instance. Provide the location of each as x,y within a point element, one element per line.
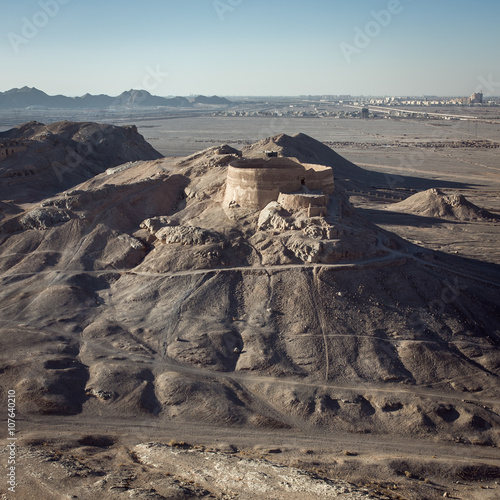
<point>434,203</point>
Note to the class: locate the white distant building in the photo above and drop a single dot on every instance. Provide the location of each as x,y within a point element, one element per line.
<point>476,98</point>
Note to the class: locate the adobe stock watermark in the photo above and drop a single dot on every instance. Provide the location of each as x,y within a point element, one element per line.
<point>450,294</point>
<point>74,157</point>
<point>372,29</point>
<point>411,161</point>
<point>408,165</point>
<point>276,126</point>
<point>150,82</point>
<point>30,28</point>
<point>12,441</point>
<point>488,87</point>
<point>223,7</point>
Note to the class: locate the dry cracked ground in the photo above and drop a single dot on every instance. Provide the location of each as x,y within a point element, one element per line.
<point>163,346</point>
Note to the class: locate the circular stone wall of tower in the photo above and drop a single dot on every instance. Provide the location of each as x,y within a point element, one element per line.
<point>253,183</point>
<point>299,201</point>
<point>319,178</point>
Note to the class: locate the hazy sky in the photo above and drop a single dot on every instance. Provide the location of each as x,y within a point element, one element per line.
<point>251,47</point>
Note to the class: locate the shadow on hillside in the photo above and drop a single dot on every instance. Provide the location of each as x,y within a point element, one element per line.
<point>386,217</point>
<point>359,178</point>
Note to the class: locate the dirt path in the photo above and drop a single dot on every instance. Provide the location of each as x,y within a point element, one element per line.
<point>199,433</point>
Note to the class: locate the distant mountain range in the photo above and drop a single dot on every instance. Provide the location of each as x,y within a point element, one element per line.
<point>28,97</point>
<point>201,99</point>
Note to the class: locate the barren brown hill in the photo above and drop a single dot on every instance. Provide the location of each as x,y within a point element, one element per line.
<point>349,176</point>
<point>139,295</point>
<point>434,203</point>
<point>309,150</point>
<point>63,154</point>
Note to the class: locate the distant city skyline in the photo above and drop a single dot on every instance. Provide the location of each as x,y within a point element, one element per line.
<point>252,47</point>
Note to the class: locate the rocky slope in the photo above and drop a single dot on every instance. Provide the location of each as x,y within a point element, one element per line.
<point>63,154</point>
<point>309,150</point>
<point>136,293</point>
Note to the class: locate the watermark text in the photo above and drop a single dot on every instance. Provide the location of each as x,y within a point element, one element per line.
<point>11,440</point>
<point>30,28</point>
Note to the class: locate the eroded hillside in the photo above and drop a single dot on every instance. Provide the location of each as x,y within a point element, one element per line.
<point>141,286</point>
<point>55,157</point>
<point>139,293</point>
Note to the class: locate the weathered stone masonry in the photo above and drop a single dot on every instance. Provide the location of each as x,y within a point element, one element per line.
<point>253,183</point>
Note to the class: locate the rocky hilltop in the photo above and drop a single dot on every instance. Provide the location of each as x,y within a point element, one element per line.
<point>309,150</point>
<point>51,158</point>
<point>141,292</point>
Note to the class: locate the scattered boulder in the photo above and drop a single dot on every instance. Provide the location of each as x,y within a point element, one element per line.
<point>122,252</point>
<point>225,149</point>
<point>273,216</point>
<point>306,249</point>
<point>187,235</point>
<point>154,224</point>
<point>43,218</point>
